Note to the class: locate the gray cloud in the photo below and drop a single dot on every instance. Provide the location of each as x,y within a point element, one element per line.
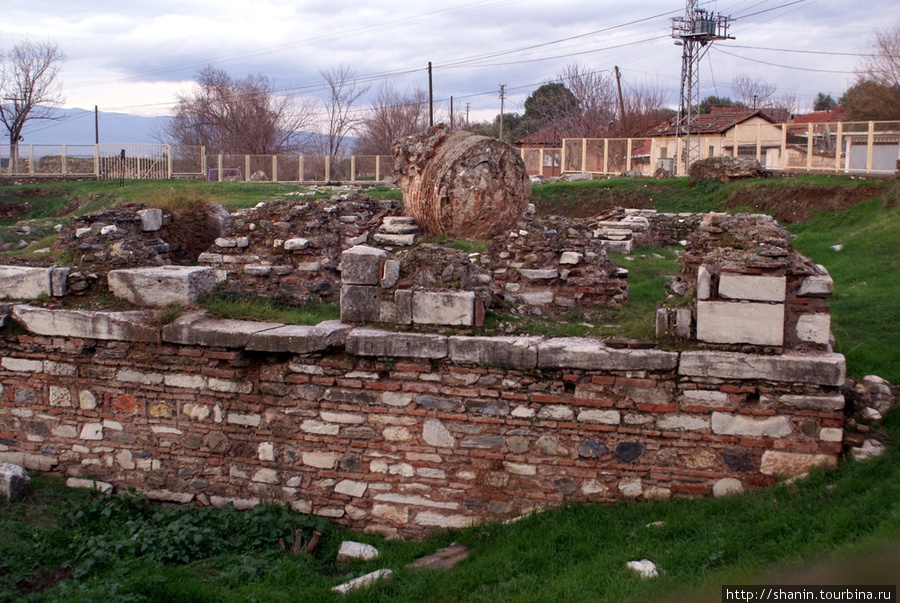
<point>117,46</point>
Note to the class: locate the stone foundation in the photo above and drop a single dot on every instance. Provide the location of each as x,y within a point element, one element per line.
<point>400,433</point>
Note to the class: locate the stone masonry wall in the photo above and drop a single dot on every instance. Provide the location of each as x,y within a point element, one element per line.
<point>395,432</point>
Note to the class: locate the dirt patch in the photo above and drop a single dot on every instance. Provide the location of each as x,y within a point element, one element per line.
<point>13,210</point>
<point>191,232</point>
<point>792,204</point>
<point>73,205</point>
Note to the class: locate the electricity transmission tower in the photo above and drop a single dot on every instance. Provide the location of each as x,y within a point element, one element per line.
<point>694,32</point>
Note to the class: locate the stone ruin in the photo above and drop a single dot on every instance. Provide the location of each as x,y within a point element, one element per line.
<point>548,266</point>
<point>132,234</point>
<point>368,426</point>
<point>751,288</point>
<point>428,285</point>
<point>747,286</point>
<point>460,184</point>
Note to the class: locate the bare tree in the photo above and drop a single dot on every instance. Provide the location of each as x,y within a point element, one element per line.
<point>341,93</point>
<point>876,93</point>
<point>787,101</point>
<point>752,92</point>
<point>882,65</point>
<point>239,116</point>
<point>393,114</point>
<point>596,94</point>
<point>29,87</point>
<point>645,106</point>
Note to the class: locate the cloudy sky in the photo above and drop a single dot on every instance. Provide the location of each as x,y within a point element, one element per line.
<point>135,57</point>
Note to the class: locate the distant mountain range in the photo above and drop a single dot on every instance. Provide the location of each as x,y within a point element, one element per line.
<point>77,127</point>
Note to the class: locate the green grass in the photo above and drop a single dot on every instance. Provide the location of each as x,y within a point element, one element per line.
<point>120,549</point>
<point>53,199</point>
<point>864,305</point>
<point>251,307</point>
<point>385,192</point>
<point>674,195</point>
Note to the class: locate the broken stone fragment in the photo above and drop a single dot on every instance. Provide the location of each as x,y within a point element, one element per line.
<point>643,568</point>
<point>151,219</point>
<point>869,449</point>
<point>571,257</point>
<point>363,581</point>
<point>443,559</point>
<point>296,244</point>
<point>727,486</point>
<point>14,481</point>
<point>356,550</point>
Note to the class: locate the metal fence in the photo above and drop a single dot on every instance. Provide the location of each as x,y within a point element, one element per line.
<point>157,161</point>
<point>871,147</point>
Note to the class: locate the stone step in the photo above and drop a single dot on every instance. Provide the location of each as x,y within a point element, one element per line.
<point>404,240</point>
<point>399,225</point>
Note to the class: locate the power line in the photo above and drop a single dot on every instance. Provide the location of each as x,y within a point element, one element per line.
<point>822,52</point>
<point>552,42</point>
<point>809,69</point>
<point>768,10</point>
<point>489,60</point>
<point>318,40</point>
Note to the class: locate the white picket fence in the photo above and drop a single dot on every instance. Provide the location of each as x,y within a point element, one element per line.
<point>159,161</point>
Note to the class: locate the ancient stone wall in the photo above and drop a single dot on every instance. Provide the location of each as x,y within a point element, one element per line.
<point>750,288</point>
<point>397,432</point>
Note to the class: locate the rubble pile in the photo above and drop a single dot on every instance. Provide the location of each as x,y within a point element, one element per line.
<point>133,234</point>
<point>553,265</point>
<point>293,246</point>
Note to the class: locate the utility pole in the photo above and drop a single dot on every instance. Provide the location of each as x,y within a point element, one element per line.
<point>502,98</point>
<point>430,97</point>
<point>451,113</point>
<point>467,114</point>
<point>96,125</point>
<point>694,32</point>
<point>621,101</point>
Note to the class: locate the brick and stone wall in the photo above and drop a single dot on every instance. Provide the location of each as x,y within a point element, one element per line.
<point>398,432</point>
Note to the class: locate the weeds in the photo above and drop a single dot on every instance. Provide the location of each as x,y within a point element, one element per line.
<point>108,528</point>
<point>268,309</point>
<point>170,313</point>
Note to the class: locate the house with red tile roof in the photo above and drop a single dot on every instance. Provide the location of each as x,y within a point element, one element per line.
<point>725,131</point>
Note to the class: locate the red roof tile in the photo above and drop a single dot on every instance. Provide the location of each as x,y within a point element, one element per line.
<point>820,117</point>
<point>716,122</point>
